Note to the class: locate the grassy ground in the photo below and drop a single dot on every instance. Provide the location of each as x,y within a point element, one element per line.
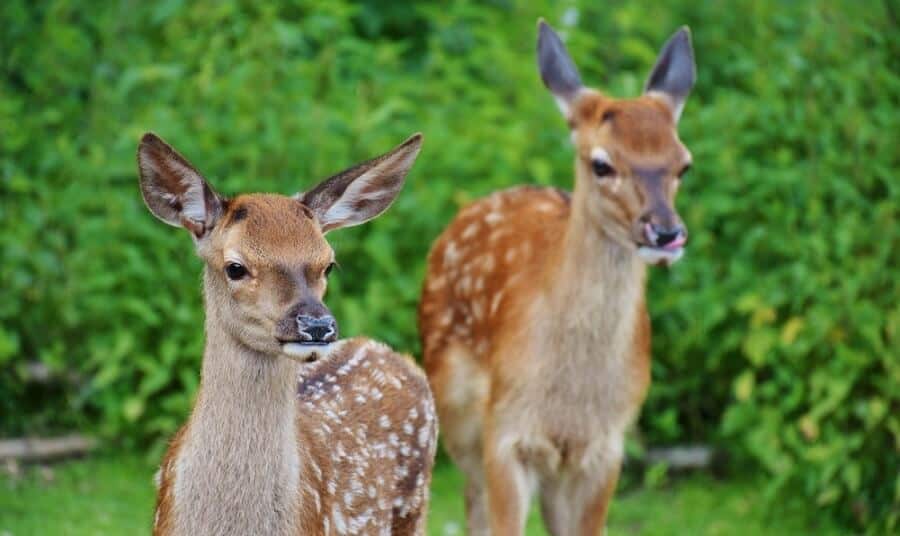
<point>114,495</point>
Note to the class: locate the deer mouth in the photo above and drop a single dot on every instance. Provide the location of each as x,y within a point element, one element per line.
<point>306,343</point>
<point>666,255</point>
<point>656,248</point>
<point>307,351</point>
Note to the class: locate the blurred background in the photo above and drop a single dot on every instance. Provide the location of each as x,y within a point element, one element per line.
<point>775,340</point>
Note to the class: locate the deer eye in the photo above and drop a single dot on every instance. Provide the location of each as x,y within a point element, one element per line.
<point>602,168</point>
<point>684,170</point>
<point>329,268</point>
<point>235,271</point>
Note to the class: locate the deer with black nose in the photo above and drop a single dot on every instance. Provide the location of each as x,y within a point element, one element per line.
<point>533,316</point>
<point>294,431</point>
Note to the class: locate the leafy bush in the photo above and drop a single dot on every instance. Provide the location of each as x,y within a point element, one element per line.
<point>776,337</point>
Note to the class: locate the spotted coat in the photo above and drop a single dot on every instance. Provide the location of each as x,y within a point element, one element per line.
<point>366,437</point>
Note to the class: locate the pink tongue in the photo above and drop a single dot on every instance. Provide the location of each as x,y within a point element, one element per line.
<point>675,244</point>
<point>651,236</point>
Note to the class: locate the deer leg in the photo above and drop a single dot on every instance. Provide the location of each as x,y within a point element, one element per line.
<point>578,503</point>
<point>466,451</point>
<point>553,509</point>
<point>477,523</point>
<point>592,515</point>
<point>509,490</point>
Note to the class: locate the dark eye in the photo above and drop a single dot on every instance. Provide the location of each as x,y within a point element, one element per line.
<point>602,168</point>
<point>235,271</point>
<point>684,170</point>
<point>329,268</point>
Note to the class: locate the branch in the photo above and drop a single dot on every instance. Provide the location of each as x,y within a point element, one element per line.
<point>38,449</point>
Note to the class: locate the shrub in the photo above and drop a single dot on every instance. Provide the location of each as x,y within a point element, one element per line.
<point>776,338</point>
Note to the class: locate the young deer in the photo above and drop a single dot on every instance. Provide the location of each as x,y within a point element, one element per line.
<point>279,441</point>
<point>533,320</point>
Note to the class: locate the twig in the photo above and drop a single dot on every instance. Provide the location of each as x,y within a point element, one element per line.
<point>37,449</point>
<point>682,457</point>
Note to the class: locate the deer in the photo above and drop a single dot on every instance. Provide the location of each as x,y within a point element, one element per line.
<point>293,431</point>
<point>533,316</point>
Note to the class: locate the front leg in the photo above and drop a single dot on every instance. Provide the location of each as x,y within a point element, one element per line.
<point>509,487</point>
<point>592,520</point>
<point>578,502</point>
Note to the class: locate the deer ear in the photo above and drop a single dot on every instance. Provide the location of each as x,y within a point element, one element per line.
<point>360,193</point>
<point>174,190</point>
<point>674,74</point>
<point>557,69</point>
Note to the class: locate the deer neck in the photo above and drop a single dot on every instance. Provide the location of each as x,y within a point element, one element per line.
<point>242,390</point>
<point>595,284</point>
<point>239,466</point>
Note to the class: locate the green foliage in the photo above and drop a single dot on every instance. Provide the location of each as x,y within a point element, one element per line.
<point>776,337</point>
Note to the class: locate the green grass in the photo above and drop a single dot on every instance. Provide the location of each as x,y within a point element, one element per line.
<point>114,495</point>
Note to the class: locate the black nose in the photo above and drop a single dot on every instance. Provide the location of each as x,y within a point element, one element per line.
<point>665,235</point>
<point>317,328</point>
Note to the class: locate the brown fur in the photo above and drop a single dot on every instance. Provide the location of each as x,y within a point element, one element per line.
<point>345,447</point>
<point>535,331</point>
<point>284,440</point>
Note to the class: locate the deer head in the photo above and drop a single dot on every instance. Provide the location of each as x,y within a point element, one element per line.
<point>267,259</point>
<point>629,161</point>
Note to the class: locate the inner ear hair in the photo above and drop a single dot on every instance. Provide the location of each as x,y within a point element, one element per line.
<point>674,74</point>
<point>363,191</point>
<point>173,189</point>
<point>558,71</point>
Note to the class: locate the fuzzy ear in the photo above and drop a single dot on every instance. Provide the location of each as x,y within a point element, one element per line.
<point>674,74</point>
<point>558,71</point>
<point>360,193</point>
<point>174,190</point>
